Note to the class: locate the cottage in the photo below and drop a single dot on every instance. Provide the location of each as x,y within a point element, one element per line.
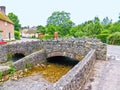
<point>6,25</point>
<point>28,33</point>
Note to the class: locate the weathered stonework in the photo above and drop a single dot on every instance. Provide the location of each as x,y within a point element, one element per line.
<point>73,48</point>
<point>34,58</point>
<point>76,78</point>
<point>38,51</point>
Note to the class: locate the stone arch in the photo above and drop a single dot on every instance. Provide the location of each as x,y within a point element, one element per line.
<point>66,54</point>
<point>59,53</point>
<point>64,60</point>
<point>17,56</point>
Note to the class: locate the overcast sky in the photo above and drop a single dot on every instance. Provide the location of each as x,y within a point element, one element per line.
<point>36,12</point>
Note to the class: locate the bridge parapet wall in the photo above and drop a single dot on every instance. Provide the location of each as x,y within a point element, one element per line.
<point>25,48</point>
<point>34,59</point>
<point>76,47</point>
<point>69,47</point>
<point>76,78</point>
<point>3,53</point>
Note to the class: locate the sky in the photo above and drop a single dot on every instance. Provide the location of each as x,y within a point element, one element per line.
<point>36,12</point>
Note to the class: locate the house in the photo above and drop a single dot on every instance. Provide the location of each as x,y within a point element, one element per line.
<point>28,33</point>
<point>23,32</point>
<point>6,25</point>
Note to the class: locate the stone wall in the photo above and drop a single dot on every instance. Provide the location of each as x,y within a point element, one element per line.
<point>25,48</point>
<point>34,58</point>
<point>3,53</point>
<point>75,47</point>
<point>75,79</point>
<point>72,48</point>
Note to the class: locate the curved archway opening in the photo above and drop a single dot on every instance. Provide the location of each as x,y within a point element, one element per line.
<point>17,56</point>
<point>62,60</point>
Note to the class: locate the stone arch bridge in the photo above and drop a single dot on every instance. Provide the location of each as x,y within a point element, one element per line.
<point>73,48</point>
<point>37,51</point>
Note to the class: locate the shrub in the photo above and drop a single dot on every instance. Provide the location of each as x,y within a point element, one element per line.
<point>1,74</point>
<point>105,32</point>
<point>114,38</point>
<point>103,37</point>
<point>17,35</point>
<point>12,69</point>
<point>28,65</point>
<point>46,37</point>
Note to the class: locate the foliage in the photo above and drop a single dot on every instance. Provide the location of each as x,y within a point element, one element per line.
<point>1,74</point>
<point>76,32</point>
<point>50,29</point>
<point>106,21</point>
<point>115,27</point>
<point>90,28</point>
<point>114,38</point>
<point>12,69</point>
<point>41,29</point>
<point>9,57</point>
<point>17,35</point>
<point>15,20</point>
<point>27,65</point>
<point>46,37</point>
<point>119,18</point>
<point>33,36</point>
<point>103,37</point>
<point>105,32</point>
<point>60,22</point>
<point>97,26</point>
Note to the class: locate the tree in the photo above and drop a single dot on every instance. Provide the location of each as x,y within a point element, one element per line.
<point>119,18</point>
<point>115,27</point>
<point>50,29</point>
<point>61,20</point>
<point>17,35</point>
<point>76,31</point>
<point>97,26</point>
<point>106,21</point>
<point>15,20</point>
<point>41,29</point>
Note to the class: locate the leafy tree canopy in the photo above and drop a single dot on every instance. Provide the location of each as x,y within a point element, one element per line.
<point>106,21</point>
<point>61,20</point>
<point>41,29</point>
<point>15,20</point>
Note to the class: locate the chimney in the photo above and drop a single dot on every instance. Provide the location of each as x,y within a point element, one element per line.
<point>3,9</point>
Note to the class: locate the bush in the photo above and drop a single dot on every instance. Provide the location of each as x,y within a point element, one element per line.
<point>46,37</point>
<point>27,65</point>
<point>114,38</point>
<point>105,32</point>
<point>12,69</point>
<point>17,35</point>
<point>103,37</point>
<point>1,74</point>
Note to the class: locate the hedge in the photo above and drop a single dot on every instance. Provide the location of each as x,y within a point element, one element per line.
<point>103,37</point>
<point>114,38</point>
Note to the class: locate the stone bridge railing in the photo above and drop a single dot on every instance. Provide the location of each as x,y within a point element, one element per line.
<point>75,48</point>
<point>65,47</point>
<point>76,78</point>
